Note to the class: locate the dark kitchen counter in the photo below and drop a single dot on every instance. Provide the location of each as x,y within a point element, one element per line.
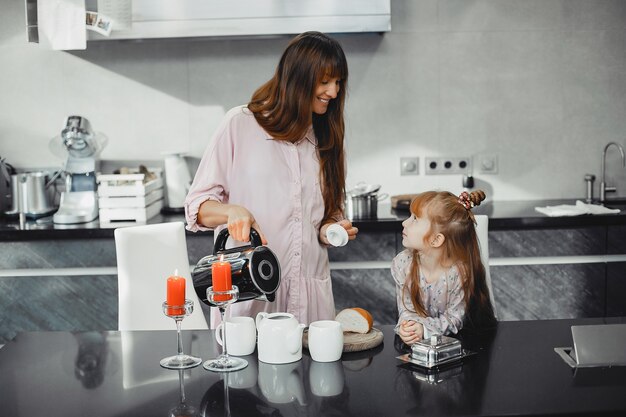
<point>503,215</point>
<point>514,372</point>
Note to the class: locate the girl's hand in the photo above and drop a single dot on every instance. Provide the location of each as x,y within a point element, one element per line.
<point>240,220</point>
<point>346,224</point>
<point>410,331</point>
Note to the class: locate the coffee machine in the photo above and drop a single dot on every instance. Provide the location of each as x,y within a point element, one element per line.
<point>81,145</point>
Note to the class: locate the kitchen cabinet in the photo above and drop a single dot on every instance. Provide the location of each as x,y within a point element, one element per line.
<point>553,280</point>
<point>616,273</point>
<point>541,267</point>
<point>68,284</point>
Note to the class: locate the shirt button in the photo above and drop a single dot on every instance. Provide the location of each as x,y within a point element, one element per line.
<point>296,254</point>
<point>296,219</point>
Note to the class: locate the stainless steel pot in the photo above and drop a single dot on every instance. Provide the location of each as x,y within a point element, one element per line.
<point>363,206</point>
<point>30,195</point>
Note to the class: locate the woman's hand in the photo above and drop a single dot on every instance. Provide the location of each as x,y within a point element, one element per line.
<point>346,224</point>
<point>240,220</point>
<point>410,331</point>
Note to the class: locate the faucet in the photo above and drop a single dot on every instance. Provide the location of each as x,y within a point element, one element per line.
<point>604,188</point>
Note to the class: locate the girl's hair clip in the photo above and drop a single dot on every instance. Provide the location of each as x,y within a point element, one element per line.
<point>465,201</point>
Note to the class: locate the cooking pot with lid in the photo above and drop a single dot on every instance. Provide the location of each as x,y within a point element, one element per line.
<point>363,206</point>
<point>30,195</point>
<point>255,269</point>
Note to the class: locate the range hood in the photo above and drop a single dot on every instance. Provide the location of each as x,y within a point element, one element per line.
<point>198,18</point>
<point>153,19</point>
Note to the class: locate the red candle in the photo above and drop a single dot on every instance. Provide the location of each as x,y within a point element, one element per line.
<point>175,294</point>
<point>222,280</point>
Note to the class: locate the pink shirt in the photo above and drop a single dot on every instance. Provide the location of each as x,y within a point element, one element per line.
<point>442,299</point>
<point>279,183</point>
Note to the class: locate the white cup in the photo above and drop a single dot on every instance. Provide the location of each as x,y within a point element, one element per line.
<point>325,340</point>
<point>240,335</point>
<point>326,379</point>
<point>337,235</point>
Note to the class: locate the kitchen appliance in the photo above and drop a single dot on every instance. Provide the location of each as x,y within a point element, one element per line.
<point>192,18</point>
<point>81,145</point>
<point>362,201</point>
<point>177,182</point>
<point>30,195</point>
<point>280,337</point>
<point>255,269</point>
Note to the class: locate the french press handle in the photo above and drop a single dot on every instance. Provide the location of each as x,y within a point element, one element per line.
<point>224,234</point>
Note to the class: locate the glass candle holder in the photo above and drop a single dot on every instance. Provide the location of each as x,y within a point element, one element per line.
<point>180,360</point>
<point>224,362</point>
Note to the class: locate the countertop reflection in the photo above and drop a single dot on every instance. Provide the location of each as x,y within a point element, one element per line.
<point>514,371</point>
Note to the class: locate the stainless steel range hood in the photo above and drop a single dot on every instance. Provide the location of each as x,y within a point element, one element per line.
<point>200,18</point>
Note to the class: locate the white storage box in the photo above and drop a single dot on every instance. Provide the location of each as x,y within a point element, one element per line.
<point>126,198</point>
<point>128,185</point>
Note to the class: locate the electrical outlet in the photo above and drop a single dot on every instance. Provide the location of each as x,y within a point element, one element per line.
<point>487,163</point>
<point>409,166</point>
<point>448,165</point>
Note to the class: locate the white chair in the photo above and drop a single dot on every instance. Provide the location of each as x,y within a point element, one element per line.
<point>146,256</point>
<point>482,227</point>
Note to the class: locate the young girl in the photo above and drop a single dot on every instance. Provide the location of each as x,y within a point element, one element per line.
<point>440,279</point>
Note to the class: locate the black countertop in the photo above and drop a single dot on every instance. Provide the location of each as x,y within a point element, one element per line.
<point>503,215</point>
<point>514,371</point>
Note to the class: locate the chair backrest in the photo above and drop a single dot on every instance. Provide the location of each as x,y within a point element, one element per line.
<point>482,228</point>
<point>146,256</point>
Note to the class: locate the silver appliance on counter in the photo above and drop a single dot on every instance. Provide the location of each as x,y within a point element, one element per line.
<point>30,195</point>
<point>177,181</point>
<point>79,201</point>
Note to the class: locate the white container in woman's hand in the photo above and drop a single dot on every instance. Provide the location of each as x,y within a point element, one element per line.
<point>337,235</point>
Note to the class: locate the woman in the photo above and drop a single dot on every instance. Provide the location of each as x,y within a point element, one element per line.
<point>278,165</point>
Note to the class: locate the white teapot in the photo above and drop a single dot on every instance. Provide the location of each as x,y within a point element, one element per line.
<point>280,337</point>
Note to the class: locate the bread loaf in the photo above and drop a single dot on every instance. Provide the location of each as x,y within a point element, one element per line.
<point>355,320</point>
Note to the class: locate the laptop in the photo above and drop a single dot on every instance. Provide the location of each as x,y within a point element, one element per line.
<point>596,346</point>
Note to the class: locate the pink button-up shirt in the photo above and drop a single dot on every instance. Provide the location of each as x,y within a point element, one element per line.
<point>279,183</point>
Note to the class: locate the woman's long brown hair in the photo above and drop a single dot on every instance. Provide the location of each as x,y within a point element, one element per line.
<point>283,107</point>
<point>450,218</point>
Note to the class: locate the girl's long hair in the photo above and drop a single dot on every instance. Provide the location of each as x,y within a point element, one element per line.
<point>283,107</point>
<point>450,218</point>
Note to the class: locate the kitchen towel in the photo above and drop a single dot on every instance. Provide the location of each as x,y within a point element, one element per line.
<point>575,210</point>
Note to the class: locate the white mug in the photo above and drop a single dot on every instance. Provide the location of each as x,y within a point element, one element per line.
<point>240,335</point>
<point>326,379</point>
<point>337,235</point>
<point>325,340</point>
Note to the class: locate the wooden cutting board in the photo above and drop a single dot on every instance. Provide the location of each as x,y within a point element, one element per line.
<point>354,342</point>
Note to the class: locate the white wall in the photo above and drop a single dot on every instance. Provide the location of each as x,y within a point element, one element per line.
<point>542,83</point>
